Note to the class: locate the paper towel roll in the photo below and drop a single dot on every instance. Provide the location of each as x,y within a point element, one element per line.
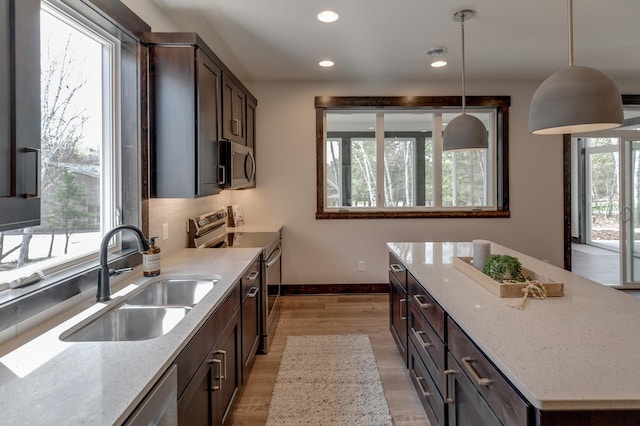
<point>481,251</point>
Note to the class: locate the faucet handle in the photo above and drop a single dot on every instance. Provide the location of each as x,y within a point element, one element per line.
<point>114,272</point>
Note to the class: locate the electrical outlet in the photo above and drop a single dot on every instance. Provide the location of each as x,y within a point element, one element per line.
<point>165,231</point>
<point>360,265</point>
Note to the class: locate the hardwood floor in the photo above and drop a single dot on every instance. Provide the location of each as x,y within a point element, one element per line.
<point>337,314</point>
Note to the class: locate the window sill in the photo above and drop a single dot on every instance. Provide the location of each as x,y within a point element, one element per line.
<point>412,214</point>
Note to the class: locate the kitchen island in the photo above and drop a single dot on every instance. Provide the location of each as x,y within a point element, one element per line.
<point>46,381</point>
<point>576,354</point>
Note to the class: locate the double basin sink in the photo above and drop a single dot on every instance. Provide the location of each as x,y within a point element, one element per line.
<point>145,314</point>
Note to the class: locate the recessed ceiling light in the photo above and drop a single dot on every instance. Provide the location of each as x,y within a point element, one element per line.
<point>436,53</point>
<point>326,63</point>
<point>328,16</point>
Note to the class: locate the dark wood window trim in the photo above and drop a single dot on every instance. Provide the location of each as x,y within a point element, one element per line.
<point>627,100</point>
<point>500,103</point>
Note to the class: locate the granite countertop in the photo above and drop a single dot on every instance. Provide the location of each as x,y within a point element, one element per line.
<point>46,381</point>
<point>579,351</point>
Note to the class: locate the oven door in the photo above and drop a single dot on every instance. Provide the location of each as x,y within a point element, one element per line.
<point>272,280</point>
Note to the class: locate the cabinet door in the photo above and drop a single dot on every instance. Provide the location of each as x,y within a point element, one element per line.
<point>466,406</point>
<point>398,315</point>
<point>194,405</point>
<point>208,108</point>
<point>250,288</point>
<point>19,114</point>
<point>226,381</point>
<point>233,111</point>
<point>251,124</point>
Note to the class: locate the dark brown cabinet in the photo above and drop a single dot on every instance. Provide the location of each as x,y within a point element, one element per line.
<point>19,114</point>
<point>251,284</point>
<point>209,366</point>
<point>185,103</point>
<point>234,101</point>
<point>251,122</point>
<point>398,305</point>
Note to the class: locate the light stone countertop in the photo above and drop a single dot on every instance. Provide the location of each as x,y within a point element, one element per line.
<point>49,382</point>
<point>579,351</point>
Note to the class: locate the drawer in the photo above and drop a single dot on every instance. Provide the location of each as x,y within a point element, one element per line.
<point>429,346</point>
<point>397,269</point>
<point>427,391</point>
<point>502,398</point>
<point>426,305</point>
<point>250,278</point>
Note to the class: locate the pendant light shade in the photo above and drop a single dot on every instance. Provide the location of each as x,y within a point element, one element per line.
<point>465,131</point>
<point>575,99</point>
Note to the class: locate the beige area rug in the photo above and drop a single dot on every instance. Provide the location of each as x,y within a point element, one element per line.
<point>328,380</point>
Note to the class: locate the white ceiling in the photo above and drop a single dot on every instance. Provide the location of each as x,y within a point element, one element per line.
<point>387,39</point>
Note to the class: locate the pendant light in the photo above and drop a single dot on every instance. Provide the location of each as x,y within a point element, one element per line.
<point>576,99</point>
<point>465,131</point>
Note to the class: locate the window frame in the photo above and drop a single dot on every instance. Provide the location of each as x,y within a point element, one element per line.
<point>501,105</point>
<point>115,18</point>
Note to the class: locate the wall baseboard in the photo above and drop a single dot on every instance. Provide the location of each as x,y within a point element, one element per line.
<point>297,289</point>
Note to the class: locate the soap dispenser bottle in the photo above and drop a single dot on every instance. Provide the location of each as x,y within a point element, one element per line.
<point>151,259</point>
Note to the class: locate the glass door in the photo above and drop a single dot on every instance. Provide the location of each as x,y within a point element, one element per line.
<point>630,212</point>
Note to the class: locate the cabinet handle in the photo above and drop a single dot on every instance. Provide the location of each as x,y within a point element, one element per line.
<point>252,276</point>
<point>218,375</point>
<point>403,309</point>
<point>425,393</point>
<point>222,179</point>
<point>447,398</point>
<point>396,268</point>
<point>420,303</point>
<point>467,363</point>
<point>425,343</point>
<point>253,292</point>
<point>38,153</point>
<point>224,363</point>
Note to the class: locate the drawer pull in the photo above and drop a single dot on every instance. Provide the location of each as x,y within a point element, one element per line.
<point>467,362</point>
<point>253,291</point>
<point>224,363</point>
<point>425,393</point>
<point>218,375</point>
<point>423,341</point>
<point>420,303</point>
<point>252,276</point>
<point>396,268</point>
<point>403,309</point>
<point>447,398</point>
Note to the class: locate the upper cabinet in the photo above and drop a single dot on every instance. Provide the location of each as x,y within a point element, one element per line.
<point>19,114</point>
<point>194,100</point>
<point>184,97</point>
<point>234,111</point>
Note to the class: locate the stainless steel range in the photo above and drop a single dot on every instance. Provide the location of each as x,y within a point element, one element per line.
<point>209,231</point>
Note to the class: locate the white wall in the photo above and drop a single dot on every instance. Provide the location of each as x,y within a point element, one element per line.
<point>327,251</point>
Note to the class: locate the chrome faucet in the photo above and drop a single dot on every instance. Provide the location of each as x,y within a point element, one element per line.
<point>104,288</point>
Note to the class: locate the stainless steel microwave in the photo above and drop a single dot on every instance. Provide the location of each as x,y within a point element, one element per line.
<point>237,165</point>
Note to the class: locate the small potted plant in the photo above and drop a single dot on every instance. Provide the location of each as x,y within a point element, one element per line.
<point>501,268</point>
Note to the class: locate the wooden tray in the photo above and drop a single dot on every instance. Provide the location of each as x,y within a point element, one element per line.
<point>464,265</point>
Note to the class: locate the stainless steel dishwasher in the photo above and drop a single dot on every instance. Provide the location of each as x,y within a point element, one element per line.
<point>160,406</point>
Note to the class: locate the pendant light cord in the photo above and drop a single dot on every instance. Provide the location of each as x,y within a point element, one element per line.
<point>570,13</point>
<point>463,88</point>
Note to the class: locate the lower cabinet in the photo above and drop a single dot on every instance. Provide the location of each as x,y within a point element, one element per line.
<point>209,367</point>
<point>398,315</point>
<point>427,390</point>
<point>251,284</point>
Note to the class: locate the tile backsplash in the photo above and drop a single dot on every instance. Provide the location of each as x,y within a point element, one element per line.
<point>175,212</point>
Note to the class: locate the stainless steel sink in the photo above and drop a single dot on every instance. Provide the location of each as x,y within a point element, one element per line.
<point>129,323</point>
<point>173,292</point>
